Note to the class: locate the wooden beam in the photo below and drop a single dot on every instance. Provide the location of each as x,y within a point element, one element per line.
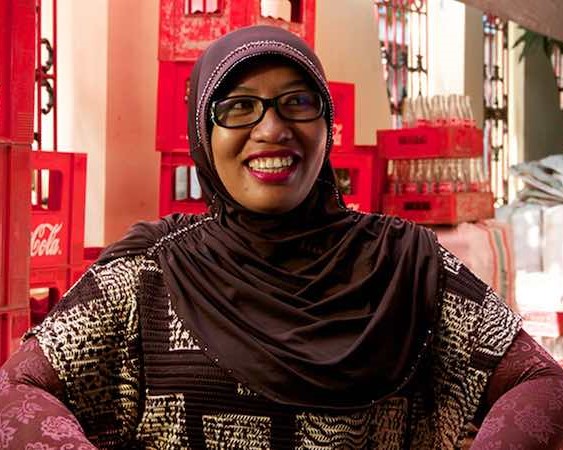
<point>541,16</point>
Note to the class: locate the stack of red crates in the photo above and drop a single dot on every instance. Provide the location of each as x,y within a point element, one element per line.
<point>358,168</point>
<point>17,72</point>
<point>186,29</point>
<point>57,227</point>
<point>183,37</point>
<point>50,256</point>
<point>446,145</point>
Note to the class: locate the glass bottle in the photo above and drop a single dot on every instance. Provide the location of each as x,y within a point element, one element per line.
<point>468,116</point>
<point>454,110</point>
<point>460,178</point>
<point>421,111</point>
<point>408,119</point>
<point>428,185</point>
<point>392,177</point>
<point>446,182</point>
<point>410,185</point>
<point>438,110</point>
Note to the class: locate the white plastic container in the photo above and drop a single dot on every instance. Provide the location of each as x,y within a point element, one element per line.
<point>552,256</point>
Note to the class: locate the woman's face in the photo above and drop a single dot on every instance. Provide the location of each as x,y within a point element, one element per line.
<point>271,166</point>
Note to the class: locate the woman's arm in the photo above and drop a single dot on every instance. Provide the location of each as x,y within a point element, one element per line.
<point>524,400</point>
<point>85,353</point>
<point>32,414</point>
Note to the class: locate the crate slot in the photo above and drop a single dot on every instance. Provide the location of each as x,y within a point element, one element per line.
<point>179,186</point>
<point>46,189</point>
<point>287,10</point>
<point>41,301</point>
<point>201,7</point>
<point>347,180</point>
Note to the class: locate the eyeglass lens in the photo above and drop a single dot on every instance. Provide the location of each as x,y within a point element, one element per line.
<point>240,111</point>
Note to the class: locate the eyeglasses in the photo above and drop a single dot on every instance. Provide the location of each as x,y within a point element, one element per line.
<point>242,111</point>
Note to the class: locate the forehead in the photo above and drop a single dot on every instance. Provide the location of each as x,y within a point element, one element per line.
<point>264,74</point>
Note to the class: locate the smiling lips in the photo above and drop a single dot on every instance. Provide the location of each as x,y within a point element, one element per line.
<point>272,168</point>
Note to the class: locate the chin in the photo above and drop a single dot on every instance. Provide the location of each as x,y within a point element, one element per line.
<point>272,202</point>
<point>271,206</point>
<point>271,209</point>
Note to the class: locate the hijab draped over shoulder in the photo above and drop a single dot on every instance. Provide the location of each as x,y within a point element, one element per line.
<point>321,306</point>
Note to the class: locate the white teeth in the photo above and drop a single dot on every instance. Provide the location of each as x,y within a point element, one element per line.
<point>270,163</point>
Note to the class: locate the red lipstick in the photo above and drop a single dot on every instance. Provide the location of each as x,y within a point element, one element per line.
<point>273,177</point>
<point>269,175</point>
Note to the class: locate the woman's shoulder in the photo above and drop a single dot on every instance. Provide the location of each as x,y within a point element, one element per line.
<point>144,236</point>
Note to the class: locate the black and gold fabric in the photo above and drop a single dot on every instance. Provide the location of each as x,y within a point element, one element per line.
<point>136,377</point>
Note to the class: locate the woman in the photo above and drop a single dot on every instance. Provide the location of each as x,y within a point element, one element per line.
<point>279,319</point>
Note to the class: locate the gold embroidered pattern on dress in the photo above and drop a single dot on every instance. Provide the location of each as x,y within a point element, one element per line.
<point>164,422</point>
<point>327,432</point>
<point>237,431</point>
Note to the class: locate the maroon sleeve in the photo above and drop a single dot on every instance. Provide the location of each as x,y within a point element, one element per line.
<point>524,400</point>
<point>32,416</point>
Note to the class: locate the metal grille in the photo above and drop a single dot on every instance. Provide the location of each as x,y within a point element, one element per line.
<point>403,26</point>
<point>496,105</point>
<point>46,76</point>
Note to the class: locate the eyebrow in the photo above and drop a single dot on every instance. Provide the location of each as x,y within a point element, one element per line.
<point>242,89</point>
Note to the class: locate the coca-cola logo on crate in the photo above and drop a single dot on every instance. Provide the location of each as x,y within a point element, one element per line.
<point>45,240</point>
<point>337,129</point>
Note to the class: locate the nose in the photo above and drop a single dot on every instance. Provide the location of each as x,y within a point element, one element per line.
<point>272,128</point>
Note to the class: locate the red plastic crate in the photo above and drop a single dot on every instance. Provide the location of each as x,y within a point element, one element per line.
<point>14,322</point>
<point>17,70</point>
<point>14,223</point>
<point>57,228</point>
<point>184,36</point>
<point>344,110</point>
<point>436,209</point>
<point>302,20</point>
<point>55,281</point>
<point>175,191</point>
<point>361,174</point>
<point>172,106</point>
<point>431,142</point>
<point>91,255</point>
<point>77,272</point>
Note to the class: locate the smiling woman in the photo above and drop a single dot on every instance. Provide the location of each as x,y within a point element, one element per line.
<point>268,147</point>
<point>279,319</point>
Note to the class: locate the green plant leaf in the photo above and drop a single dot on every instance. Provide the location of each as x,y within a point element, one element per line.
<point>533,42</point>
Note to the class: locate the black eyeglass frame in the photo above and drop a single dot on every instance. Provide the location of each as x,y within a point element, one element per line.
<point>266,104</point>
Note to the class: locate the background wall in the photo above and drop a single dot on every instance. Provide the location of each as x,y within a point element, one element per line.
<point>346,40</point>
<point>446,47</point>
<point>455,52</point>
<point>107,65</point>
<point>474,61</point>
<point>132,164</point>
<point>543,118</point>
<point>82,98</point>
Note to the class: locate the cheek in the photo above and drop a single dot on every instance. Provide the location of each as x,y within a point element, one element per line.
<point>219,143</point>
<point>318,141</point>
<point>225,146</point>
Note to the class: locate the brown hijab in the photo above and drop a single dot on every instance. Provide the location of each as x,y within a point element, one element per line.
<point>321,306</point>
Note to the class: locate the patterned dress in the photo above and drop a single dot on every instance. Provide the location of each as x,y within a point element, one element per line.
<point>136,378</point>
